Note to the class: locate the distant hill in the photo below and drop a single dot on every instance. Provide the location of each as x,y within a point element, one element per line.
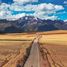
<point>30,24</point>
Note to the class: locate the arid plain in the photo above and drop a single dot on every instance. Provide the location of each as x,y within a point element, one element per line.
<point>14,47</point>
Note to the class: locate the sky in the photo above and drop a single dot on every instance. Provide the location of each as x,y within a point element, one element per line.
<point>43,9</point>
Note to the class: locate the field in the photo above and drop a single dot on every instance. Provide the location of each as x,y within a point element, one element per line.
<point>56,45</point>
<point>13,48</point>
<point>17,36</point>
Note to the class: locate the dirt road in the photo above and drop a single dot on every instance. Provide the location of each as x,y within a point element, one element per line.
<point>40,58</point>
<point>35,58</point>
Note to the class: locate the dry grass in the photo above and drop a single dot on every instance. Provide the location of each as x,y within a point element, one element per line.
<point>57,52</point>
<point>54,32</point>
<point>56,44</point>
<point>17,36</point>
<point>11,51</point>
<point>60,39</point>
<point>13,47</point>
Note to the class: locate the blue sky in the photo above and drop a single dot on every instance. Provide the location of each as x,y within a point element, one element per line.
<point>44,9</point>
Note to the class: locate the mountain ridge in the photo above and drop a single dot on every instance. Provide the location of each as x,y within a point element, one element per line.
<point>31,24</point>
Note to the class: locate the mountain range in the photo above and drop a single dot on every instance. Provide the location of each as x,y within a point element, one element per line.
<point>31,24</point>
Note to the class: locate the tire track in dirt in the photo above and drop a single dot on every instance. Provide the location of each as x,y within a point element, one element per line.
<point>35,56</point>
<point>45,58</point>
<point>52,63</point>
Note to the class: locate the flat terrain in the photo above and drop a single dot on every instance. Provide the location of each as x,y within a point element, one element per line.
<point>56,44</point>
<point>13,47</point>
<point>17,36</point>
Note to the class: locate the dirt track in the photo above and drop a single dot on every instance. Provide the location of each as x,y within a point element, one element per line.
<point>42,56</point>
<point>39,57</point>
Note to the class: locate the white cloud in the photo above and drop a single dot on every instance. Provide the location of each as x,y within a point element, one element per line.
<point>25,1</point>
<point>65,20</point>
<point>50,7</point>
<point>4,6</point>
<point>15,17</point>
<point>29,7</point>
<point>65,2</point>
<point>45,6</point>
<point>16,7</point>
<point>64,12</point>
<point>42,10</point>
<point>5,13</point>
<point>58,7</point>
<point>1,13</point>
<point>4,10</point>
<point>51,17</point>
<point>43,15</point>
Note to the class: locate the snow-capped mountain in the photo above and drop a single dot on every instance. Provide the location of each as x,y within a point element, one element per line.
<point>30,24</point>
